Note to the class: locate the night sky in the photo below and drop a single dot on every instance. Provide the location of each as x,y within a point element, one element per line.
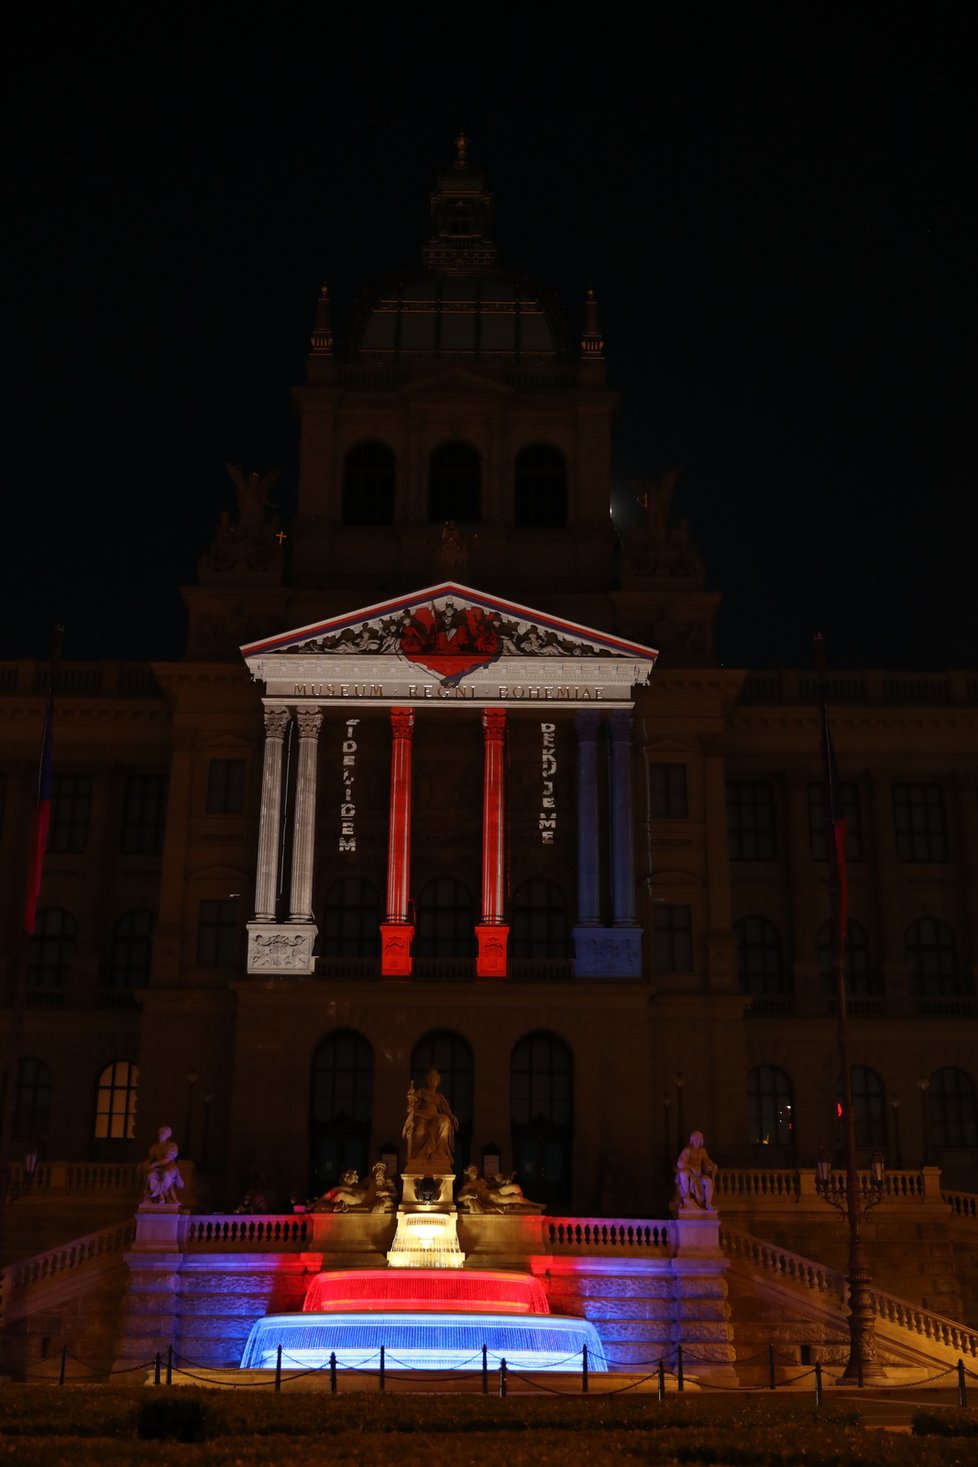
<point>775,208</point>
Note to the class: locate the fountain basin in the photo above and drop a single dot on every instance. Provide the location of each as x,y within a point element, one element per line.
<point>422,1340</point>
<point>483,1290</point>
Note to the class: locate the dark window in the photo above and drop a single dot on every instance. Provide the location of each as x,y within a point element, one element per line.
<point>451,1056</point>
<point>132,950</point>
<point>860,980</point>
<point>673,938</point>
<point>446,920</point>
<point>770,1106</point>
<point>539,920</point>
<point>750,820</point>
<point>454,484</point>
<point>341,1108</point>
<point>217,934</point>
<point>540,488</point>
<point>929,948</point>
<point>918,822</point>
<point>351,919</point>
<point>225,786</point>
<point>667,791</point>
<point>951,1102</point>
<point>144,814</point>
<point>33,1102</point>
<point>868,1107</point>
<point>759,964</point>
<point>115,1102</point>
<point>71,803</point>
<point>368,485</point>
<point>542,1114</point>
<point>52,950</point>
<point>851,810</point>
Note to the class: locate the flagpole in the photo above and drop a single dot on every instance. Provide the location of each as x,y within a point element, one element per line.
<point>32,888</point>
<point>863,1363</point>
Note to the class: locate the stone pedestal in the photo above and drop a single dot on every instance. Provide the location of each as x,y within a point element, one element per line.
<point>281,947</point>
<point>395,949</point>
<point>492,943</point>
<point>607,952</point>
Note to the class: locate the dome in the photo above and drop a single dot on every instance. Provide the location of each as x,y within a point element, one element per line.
<point>461,303</point>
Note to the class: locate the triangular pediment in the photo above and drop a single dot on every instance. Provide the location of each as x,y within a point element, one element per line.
<point>450,640</point>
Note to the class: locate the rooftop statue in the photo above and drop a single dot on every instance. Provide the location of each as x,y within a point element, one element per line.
<point>253,542</point>
<point>695,1173</point>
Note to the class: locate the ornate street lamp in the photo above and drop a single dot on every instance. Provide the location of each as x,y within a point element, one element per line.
<point>863,1364</point>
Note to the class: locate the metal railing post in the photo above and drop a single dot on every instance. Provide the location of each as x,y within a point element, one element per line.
<point>502,1376</point>
<point>662,1380</point>
<point>156,1368</point>
<point>680,1383</point>
<point>169,1365</point>
<point>485,1370</point>
<point>383,1376</point>
<point>584,1370</point>
<point>332,1372</point>
<point>962,1387</point>
<point>278,1368</point>
<point>770,1367</point>
<point>818,1382</point>
<point>64,1364</point>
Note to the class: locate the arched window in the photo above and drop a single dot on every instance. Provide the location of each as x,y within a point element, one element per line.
<point>951,1100</point>
<point>132,950</point>
<point>51,953</point>
<point>868,1107</point>
<point>454,484</point>
<point>32,1106</point>
<point>446,920</point>
<point>351,919</point>
<point>542,1117</point>
<point>540,488</point>
<point>368,485</point>
<point>770,1107</point>
<point>115,1102</point>
<point>539,920</point>
<point>341,1108</point>
<point>451,1055</point>
<point>860,981</point>
<point>929,948</point>
<point>759,964</point>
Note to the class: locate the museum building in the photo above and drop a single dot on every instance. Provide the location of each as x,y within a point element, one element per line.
<point>449,776</point>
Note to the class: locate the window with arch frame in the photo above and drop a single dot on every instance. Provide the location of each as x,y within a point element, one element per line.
<point>542,1116</point>
<point>540,488</point>
<point>51,952</point>
<point>32,1104</point>
<point>861,981</point>
<point>953,1113</point>
<point>341,1107</point>
<point>351,918</point>
<point>455,484</point>
<point>868,1107</point>
<point>770,1106</point>
<point>538,919</point>
<point>445,920</point>
<point>132,950</point>
<point>369,484</point>
<point>930,951</point>
<point>115,1102</point>
<point>760,965</point>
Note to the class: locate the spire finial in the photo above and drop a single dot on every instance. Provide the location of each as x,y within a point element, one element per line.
<point>592,342</point>
<point>461,149</point>
<point>322,332</point>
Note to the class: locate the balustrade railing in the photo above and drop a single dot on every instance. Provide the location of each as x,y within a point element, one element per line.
<point>962,1204</point>
<point>17,1279</point>
<point>594,1234</point>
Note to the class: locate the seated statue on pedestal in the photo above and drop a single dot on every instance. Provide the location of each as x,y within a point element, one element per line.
<point>430,1127</point>
<point>160,1171</point>
<point>695,1172</point>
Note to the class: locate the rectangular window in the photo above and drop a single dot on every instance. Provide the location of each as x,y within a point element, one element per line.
<point>71,803</point>
<point>144,814</point>
<point>918,822</point>
<point>750,820</point>
<point>217,934</point>
<point>673,938</point>
<point>667,788</point>
<point>225,787</point>
<point>849,795</point>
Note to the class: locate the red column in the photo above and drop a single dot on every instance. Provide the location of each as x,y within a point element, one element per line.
<point>493,933</point>
<point>397,932</point>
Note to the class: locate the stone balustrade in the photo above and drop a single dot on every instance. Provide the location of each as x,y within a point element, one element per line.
<point>770,1188</point>
<point>19,1281</point>
<point>962,1204</point>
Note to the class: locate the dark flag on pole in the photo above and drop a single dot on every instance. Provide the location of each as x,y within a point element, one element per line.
<point>835,821</point>
<point>42,808</point>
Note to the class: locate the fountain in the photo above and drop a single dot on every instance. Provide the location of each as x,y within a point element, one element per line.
<point>426,1309</point>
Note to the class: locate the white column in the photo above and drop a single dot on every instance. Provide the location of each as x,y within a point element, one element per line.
<point>270,818</point>
<point>309,721</point>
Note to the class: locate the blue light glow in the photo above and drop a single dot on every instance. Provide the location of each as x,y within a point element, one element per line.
<point>423,1341</point>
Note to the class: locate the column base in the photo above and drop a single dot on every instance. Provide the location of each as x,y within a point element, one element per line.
<point>395,949</point>
<point>493,942</point>
<point>281,947</point>
<point>607,952</point>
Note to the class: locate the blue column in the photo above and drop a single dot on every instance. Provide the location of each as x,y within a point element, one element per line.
<point>588,908</point>
<point>622,842</point>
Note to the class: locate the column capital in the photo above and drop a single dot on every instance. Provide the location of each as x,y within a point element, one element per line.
<point>276,722</point>
<point>494,722</point>
<point>310,721</point>
<point>587,721</point>
<point>402,722</point>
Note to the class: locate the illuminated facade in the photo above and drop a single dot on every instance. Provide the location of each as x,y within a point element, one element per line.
<point>422,793</point>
